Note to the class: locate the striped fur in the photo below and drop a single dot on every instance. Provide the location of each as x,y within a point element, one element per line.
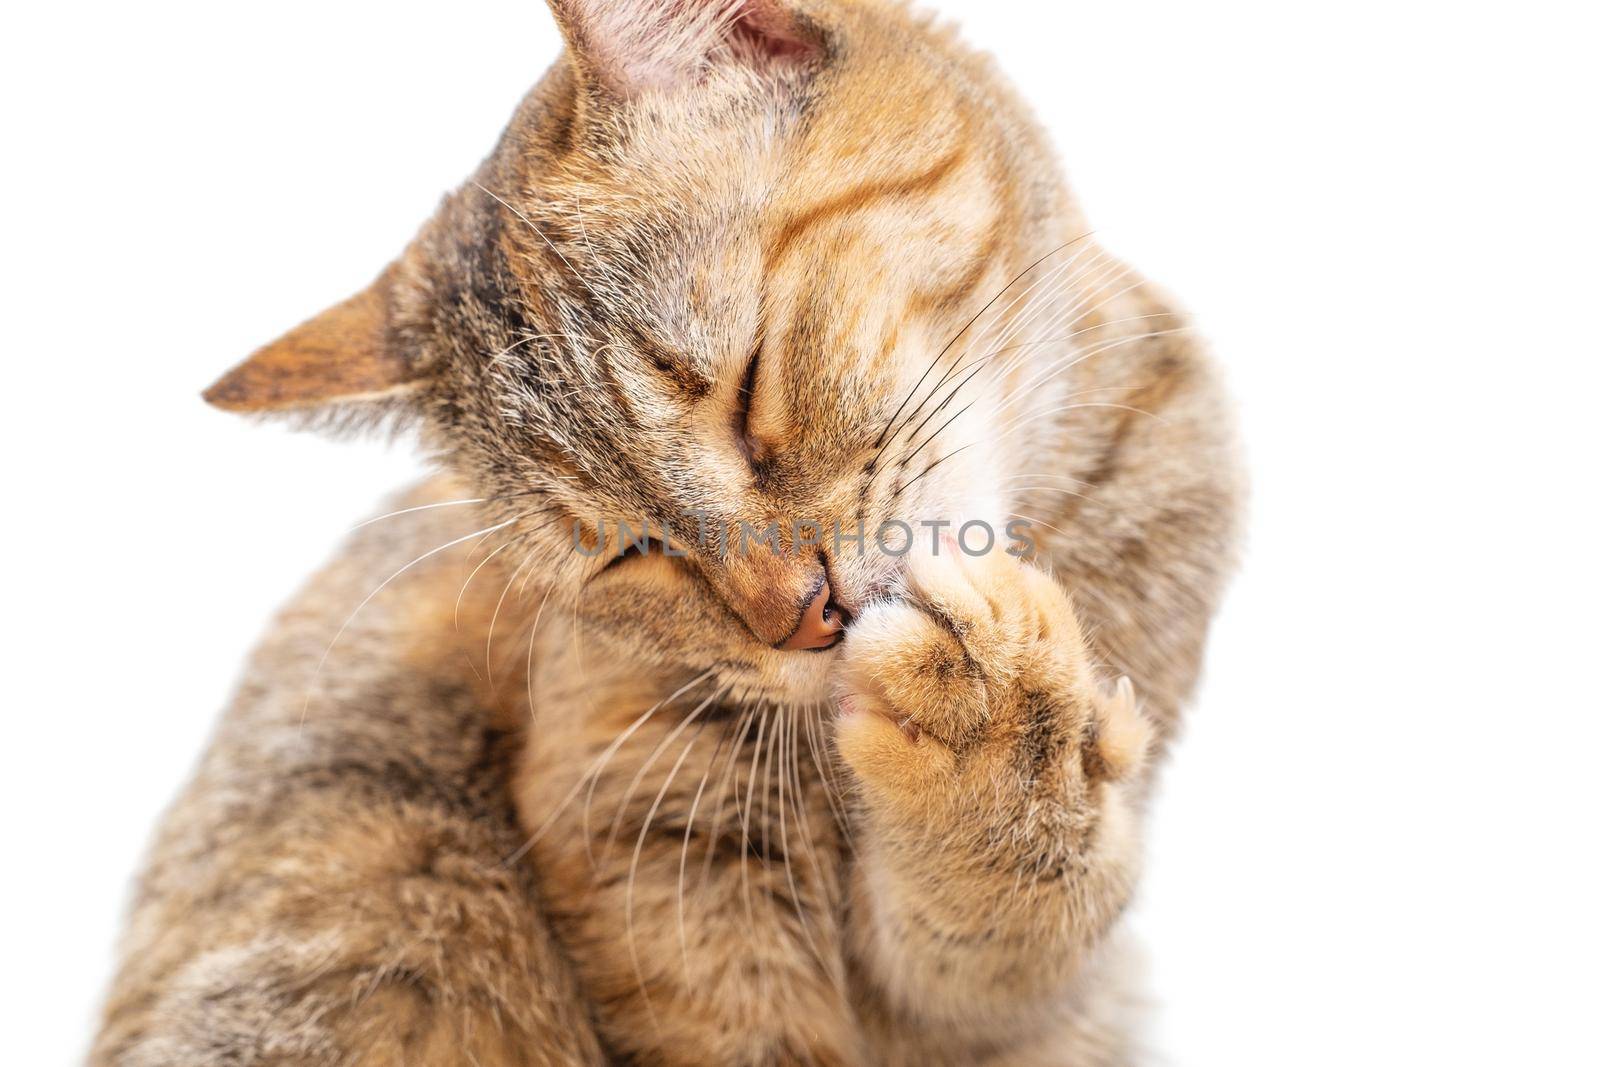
<point>527,807</point>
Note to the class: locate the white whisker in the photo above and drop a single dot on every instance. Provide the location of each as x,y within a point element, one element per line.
<point>592,774</point>
<point>419,507</point>
<point>316,674</point>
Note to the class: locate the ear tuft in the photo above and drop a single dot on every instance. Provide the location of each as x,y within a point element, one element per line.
<point>631,46</point>
<point>345,354</point>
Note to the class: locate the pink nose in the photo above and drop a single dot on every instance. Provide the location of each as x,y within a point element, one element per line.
<point>820,624</point>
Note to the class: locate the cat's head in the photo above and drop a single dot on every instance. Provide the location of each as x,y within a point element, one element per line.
<point>724,274</point>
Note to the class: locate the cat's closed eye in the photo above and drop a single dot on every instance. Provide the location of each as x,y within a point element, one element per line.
<point>679,373</point>
<point>647,545</point>
<point>750,446</point>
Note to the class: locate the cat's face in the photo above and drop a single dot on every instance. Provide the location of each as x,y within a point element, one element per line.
<point>712,291</point>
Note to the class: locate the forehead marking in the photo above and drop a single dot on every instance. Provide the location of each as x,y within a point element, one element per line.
<point>857,198</point>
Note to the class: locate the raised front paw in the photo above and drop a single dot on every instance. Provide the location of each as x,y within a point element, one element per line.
<point>970,701</point>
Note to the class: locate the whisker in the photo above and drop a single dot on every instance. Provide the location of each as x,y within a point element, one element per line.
<point>1042,474</point>
<point>1072,313</point>
<point>1026,416</point>
<point>638,850</point>
<point>672,735</point>
<point>1062,277</point>
<point>316,674</point>
<point>1074,407</point>
<point>533,633</point>
<point>494,618</point>
<point>935,434</point>
<point>594,780</point>
<point>800,806</point>
<point>1038,522</point>
<point>463,592</point>
<point>929,468</point>
<point>1105,325</point>
<point>1063,338</point>
<point>775,713</point>
<point>530,224</point>
<point>823,762</point>
<point>883,438</point>
<point>942,404</point>
<point>1097,262</point>
<point>1048,279</point>
<point>1025,320</point>
<point>577,200</point>
<point>498,499</point>
<point>785,727</point>
<point>683,853</point>
<point>1052,489</point>
<point>1006,429</point>
<point>745,816</point>
<point>1066,363</point>
<point>597,766</point>
<point>729,775</point>
<point>1090,282</point>
<point>419,507</point>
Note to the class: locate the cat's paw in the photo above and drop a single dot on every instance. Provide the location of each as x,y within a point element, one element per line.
<point>973,693</point>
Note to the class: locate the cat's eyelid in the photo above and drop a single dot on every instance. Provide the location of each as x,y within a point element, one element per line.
<point>681,373</point>
<point>745,399</point>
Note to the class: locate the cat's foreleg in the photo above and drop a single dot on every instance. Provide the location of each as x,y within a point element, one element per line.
<point>999,832</point>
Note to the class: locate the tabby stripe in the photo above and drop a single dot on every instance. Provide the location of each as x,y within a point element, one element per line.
<point>857,199</point>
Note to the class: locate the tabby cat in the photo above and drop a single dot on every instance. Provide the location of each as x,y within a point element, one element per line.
<point>505,785</point>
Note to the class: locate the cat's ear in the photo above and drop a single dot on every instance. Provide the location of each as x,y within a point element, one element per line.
<point>345,355</point>
<point>629,46</point>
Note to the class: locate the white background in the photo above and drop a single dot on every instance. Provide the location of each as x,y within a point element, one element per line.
<point>1376,843</point>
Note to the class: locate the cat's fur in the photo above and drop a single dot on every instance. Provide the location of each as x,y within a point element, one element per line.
<point>521,807</point>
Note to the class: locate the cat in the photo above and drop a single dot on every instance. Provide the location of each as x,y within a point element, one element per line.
<point>500,788</point>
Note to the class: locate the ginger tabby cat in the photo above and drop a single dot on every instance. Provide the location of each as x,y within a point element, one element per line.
<point>500,789</point>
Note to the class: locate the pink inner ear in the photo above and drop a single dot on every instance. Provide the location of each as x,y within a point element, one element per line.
<point>764,28</point>
<point>631,45</point>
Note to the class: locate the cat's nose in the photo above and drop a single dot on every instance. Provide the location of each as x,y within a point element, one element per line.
<point>820,623</point>
<point>782,597</point>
